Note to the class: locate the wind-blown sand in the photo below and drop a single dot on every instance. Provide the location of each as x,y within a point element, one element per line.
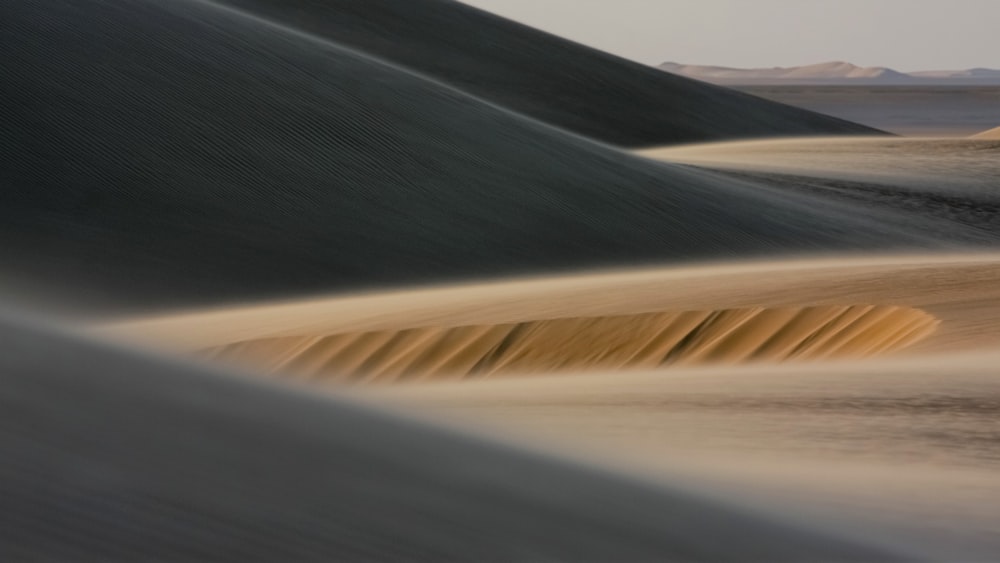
<point>991,134</point>
<point>797,309</point>
<point>892,448</point>
<point>876,446</point>
<point>111,455</point>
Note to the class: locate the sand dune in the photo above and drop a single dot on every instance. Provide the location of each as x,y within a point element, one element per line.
<point>942,183</point>
<point>587,344</point>
<point>991,134</point>
<point>113,456</point>
<point>276,184</point>
<point>724,313</point>
<point>279,164</point>
<point>876,446</point>
<point>543,76</point>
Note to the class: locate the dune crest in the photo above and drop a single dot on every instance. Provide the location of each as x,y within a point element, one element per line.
<point>647,340</point>
<point>991,134</point>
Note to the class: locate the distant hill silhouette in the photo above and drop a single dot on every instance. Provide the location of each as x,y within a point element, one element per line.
<point>837,72</point>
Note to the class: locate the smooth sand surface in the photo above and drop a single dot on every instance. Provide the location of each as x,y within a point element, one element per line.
<point>944,185</point>
<point>991,134</point>
<point>890,447</point>
<point>939,165</point>
<point>914,111</point>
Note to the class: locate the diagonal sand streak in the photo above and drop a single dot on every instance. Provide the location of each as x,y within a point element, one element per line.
<point>634,341</point>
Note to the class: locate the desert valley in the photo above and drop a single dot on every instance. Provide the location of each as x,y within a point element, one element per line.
<point>407,280</point>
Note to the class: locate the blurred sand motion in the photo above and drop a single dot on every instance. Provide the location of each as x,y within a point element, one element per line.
<point>728,313</point>
<point>596,343</point>
<point>991,134</point>
<point>901,445</point>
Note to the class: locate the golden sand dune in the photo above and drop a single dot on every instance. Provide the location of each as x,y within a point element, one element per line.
<point>848,307</point>
<point>646,340</point>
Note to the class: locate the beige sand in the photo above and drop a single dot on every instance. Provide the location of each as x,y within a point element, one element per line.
<point>730,312</point>
<point>895,445</point>
<point>991,134</point>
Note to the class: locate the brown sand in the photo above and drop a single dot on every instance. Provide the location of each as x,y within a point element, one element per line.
<point>904,445</point>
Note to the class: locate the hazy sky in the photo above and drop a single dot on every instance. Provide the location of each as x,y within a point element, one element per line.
<point>904,34</point>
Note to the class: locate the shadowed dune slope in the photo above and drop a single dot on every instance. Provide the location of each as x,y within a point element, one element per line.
<point>114,457</point>
<point>991,134</point>
<point>955,180</point>
<point>546,77</point>
<point>156,154</point>
<point>591,343</point>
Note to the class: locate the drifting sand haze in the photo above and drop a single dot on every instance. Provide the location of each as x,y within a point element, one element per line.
<point>708,314</point>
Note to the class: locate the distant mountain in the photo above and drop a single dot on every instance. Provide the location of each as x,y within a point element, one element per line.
<point>837,72</point>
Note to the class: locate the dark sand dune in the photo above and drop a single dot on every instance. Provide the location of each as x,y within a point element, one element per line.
<point>109,456</point>
<point>269,163</point>
<point>546,77</point>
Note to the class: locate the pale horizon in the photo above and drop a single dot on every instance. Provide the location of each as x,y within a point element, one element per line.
<point>900,34</point>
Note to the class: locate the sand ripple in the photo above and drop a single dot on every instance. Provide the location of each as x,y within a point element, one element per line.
<point>591,343</point>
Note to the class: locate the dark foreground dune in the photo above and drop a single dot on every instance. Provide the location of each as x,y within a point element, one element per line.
<point>546,77</point>
<point>171,153</point>
<point>111,456</point>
